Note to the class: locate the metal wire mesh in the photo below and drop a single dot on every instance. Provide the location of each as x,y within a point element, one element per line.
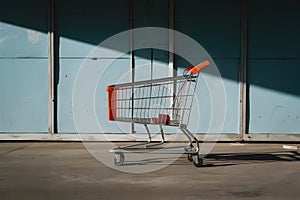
<point>165,101</point>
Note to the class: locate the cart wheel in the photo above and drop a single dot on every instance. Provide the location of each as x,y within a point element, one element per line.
<point>119,159</point>
<point>198,161</point>
<point>190,157</point>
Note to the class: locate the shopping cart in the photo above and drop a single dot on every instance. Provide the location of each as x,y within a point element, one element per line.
<point>162,102</point>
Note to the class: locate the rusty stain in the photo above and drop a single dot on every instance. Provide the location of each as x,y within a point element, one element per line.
<point>33,36</point>
<point>276,108</point>
<point>14,136</point>
<point>72,107</point>
<point>91,138</point>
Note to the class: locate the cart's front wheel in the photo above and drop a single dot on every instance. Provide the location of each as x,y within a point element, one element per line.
<point>197,160</point>
<point>119,158</point>
<point>190,157</point>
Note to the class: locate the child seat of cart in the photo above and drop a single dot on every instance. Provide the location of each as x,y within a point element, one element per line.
<point>162,119</point>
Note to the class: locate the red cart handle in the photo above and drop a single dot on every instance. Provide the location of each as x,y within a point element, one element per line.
<point>197,68</point>
<point>112,102</point>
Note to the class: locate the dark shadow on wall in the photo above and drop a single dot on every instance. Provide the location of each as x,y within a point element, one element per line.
<point>93,21</point>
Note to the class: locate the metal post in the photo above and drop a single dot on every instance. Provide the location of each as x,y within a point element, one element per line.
<point>132,63</point>
<point>151,64</point>
<point>171,68</point>
<point>172,72</point>
<point>51,67</point>
<point>243,71</point>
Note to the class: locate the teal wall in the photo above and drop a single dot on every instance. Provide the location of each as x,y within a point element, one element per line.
<point>273,95</point>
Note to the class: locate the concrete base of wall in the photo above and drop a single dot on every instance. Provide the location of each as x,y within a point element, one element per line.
<point>142,137</point>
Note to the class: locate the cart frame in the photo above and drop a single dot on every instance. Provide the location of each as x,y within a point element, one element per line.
<point>163,102</point>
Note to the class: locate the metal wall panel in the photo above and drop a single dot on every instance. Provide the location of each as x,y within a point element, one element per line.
<point>147,68</point>
<point>116,73</point>
<point>24,95</point>
<point>273,66</point>
<point>22,42</point>
<point>274,102</point>
<point>67,74</point>
<point>83,25</point>
<point>23,66</point>
<point>151,63</point>
<point>80,28</point>
<point>216,25</point>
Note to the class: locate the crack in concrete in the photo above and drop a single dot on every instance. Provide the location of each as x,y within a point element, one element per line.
<point>13,150</point>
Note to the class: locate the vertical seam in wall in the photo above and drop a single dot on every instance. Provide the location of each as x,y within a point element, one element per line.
<point>243,71</point>
<point>172,72</point>
<point>171,15</point>
<point>51,67</point>
<point>132,63</point>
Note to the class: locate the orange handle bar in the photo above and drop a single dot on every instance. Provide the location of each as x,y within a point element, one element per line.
<point>112,103</point>
<point>197,68</point>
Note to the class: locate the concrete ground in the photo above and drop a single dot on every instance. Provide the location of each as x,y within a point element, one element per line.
<point>68,171</point>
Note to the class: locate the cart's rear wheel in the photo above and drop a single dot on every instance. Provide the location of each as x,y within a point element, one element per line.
<point>197,160</point>
<point>190,157</point>
<point>119,158</point>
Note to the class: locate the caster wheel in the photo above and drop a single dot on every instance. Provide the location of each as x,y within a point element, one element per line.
<point>119,159</point>
<point>197,160</point>
<point>190,157</point>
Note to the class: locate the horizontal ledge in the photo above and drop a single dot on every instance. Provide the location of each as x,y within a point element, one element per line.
<point>271,137</point>
<point>143,137</point>
<point>93,58</point>
<point>24,58</point>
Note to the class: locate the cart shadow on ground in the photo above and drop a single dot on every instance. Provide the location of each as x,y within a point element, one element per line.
<point>222,159</point>
<point>214,160</point>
